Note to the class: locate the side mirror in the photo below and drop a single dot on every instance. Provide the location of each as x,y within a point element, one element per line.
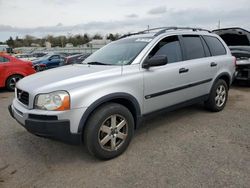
<point>50,59</point>
<point>157,60</point>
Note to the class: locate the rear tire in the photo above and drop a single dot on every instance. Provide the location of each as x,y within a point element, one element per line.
<point>218,96</point>
<point>12,80</point>
<point>109,131</point>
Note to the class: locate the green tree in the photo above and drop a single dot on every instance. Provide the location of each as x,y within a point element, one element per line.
<point>10,42</point>
<point>113,36</point>
<point>86,38</point>
<point>97,36</point>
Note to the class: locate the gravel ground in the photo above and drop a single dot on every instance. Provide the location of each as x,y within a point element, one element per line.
<point>189,147</point>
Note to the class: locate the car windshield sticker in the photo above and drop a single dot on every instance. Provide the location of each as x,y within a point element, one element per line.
<point>143,40</point>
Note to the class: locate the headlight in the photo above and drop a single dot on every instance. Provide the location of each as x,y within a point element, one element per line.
<point>58,100</point>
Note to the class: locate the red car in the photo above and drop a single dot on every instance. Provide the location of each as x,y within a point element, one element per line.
<point>12,70</point>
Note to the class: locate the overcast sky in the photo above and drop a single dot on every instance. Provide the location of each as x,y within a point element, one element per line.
<point>42,17</point>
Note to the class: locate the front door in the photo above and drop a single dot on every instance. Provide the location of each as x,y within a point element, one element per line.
<point>162,84</point>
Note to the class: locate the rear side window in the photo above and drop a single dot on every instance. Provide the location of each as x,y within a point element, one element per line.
<point>193,46</point>
<point>3,59</point>
<point>215,46</point>
<point>169,46</point>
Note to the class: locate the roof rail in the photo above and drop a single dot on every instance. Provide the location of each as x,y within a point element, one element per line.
<point>183,28</point>
<point>142,32</point>
<point>163,29</point>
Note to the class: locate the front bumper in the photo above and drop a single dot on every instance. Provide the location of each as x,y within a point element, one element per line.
<point>46,126</point>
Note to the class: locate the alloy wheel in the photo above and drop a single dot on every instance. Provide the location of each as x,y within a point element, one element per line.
<point>113,132</point>
<point>220,96</point>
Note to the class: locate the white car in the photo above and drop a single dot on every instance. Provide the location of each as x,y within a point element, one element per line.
<point>25,57</point>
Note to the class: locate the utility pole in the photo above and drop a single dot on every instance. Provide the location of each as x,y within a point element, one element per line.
<point>148,28</point>
<point>219,24</point>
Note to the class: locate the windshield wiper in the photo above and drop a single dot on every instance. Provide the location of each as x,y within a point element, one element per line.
<point>96,63</point>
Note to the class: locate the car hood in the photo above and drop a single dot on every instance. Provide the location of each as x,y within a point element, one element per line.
<point>67,77</point>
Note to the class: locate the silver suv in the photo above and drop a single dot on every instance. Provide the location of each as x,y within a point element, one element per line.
<point>103,100</point>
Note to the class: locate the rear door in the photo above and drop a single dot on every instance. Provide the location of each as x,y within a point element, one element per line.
<point>219,54</point>
<point>199,64</point>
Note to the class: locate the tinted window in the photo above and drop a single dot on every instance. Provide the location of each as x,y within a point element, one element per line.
<point>3,59</point>
<point>215,46</point>
<point>55,57</point>
<point>207,52</point>
<point>193,46</point>
<point>169,46</point>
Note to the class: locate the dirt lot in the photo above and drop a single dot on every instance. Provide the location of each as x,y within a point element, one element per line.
<point>186,148</point>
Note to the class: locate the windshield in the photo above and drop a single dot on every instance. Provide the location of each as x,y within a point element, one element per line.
<point>47,56</point>
<point>121,52</point>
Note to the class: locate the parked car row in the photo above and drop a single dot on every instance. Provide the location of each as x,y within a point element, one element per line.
<point>13,68</point>
<point>52,60</point>
<point>30,56</point>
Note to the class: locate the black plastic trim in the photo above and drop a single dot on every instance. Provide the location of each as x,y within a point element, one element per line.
<point>224,74</point>
<point>179,105</point>
<point>177,88</point>
<point>54,129</point>
<point>172,108</point>
<point>108,98</point>
<point>42,117</point>
<point>10,111</point>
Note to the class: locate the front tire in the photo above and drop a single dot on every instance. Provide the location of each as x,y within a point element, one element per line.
<point>218,96</point>
<point>11,82</point>
<point>109,131</point>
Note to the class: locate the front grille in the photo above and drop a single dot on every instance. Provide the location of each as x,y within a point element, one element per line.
<point>23,96</point>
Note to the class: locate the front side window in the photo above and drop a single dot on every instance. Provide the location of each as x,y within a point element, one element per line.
<point>121,52</point>
<point>3,60</point>
<point>170,47</point>
<point>193,46</point>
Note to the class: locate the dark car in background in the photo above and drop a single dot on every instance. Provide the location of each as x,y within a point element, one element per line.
<point>238,41</point>
<point>51,60</point>
<point>78,58</point>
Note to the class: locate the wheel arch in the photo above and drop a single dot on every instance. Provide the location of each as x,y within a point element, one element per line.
<point>13,74</point>
<point>124,99</point>
<point>224,76</point>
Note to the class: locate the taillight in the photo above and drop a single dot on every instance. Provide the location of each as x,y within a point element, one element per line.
<point>42,65</point>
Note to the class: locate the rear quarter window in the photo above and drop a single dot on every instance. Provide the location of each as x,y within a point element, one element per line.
<point>215,46</point>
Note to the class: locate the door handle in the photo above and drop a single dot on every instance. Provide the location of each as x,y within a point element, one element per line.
<point>213,64</point>
<point>183,70</point>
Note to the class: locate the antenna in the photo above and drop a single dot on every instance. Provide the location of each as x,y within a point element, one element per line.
<point>219,24</point>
